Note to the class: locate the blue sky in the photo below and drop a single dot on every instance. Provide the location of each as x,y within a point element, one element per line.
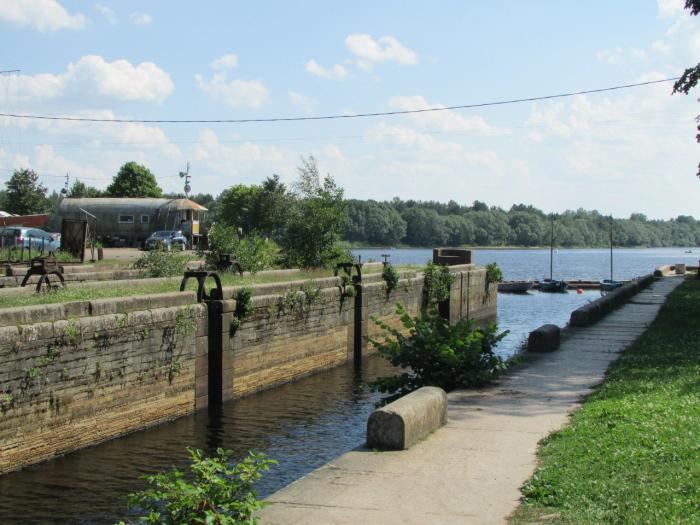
<point>617,152</point>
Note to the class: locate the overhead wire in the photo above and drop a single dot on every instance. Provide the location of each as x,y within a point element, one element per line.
<point>337,116</point>
<point>492,130</point>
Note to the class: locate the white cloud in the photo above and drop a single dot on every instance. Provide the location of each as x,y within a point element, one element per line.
<point>669,8</point>
<point>92,76</point>
<point>304,103</point>
<point>622,55</point>
<point>235,93</point>
<point>446,120</point>
<point>140,19</point>
<point>108,14</point>
<point>42,15</point>
<point>242,162</point>
<point>335,72</point>
<point>228,61</point>
<point>383,49</point>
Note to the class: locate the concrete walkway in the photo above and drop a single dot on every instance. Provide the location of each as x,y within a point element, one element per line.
<point>470,470</point>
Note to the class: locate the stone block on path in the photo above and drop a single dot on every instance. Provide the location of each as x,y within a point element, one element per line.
<point>546,338</point>
<point>401,424</point>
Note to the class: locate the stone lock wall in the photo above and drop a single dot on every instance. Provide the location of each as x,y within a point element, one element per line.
<point>77,374</point>
<point>287,337</point>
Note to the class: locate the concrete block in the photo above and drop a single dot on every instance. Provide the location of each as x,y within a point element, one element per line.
<point>401,424</point>
<point>586,315</point>
<point>452,256</point>
<point>546,338</point>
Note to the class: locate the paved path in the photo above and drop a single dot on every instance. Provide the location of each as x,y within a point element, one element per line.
<point>470,471</point>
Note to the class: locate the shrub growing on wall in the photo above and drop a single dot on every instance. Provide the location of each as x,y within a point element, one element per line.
<point>433,353</point>
<point>161,263</point>
<point>253,252</point>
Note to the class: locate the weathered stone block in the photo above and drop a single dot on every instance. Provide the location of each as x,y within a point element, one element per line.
<point>103,307</point>
<point>546,338</point>
<point>586,315</point>
<point>77,309</point>
<point>401,424</point>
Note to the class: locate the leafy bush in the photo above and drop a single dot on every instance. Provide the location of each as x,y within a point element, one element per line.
<point>160,263</point>
<point>218,493</point>
<point>64,256</point>
<point>437,281</point>
<point>493,273</point>
<point>436,354</point>
<point>391,278</point>
<point>253,252</point>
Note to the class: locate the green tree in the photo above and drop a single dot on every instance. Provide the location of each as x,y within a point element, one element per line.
<point>236,206</point>
<point>134,180</point>
<point>80,189</point>
<point>25,194</point>
<point>691,76</point>
<point>261,209</point>
<point>315,220</point>
<point>377,223</point>
<point>272,208</point>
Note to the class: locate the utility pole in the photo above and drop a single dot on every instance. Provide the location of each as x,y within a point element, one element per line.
<point>64,191</point>
<point>186,175</point>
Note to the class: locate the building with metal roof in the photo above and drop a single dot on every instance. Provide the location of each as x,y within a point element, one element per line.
<point>128,221</point>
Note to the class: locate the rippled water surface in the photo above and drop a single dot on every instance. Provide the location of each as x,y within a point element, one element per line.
<point>302,425</point>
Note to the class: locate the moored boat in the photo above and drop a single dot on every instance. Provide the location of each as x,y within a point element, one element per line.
<point>608,285</point>
<point>515,286</point>
<point>552,286</point>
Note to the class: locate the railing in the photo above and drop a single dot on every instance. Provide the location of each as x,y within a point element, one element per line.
<point>14,250</point>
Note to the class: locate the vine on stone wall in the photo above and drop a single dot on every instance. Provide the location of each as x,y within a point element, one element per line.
<point>437,281</point>
<point>244,308</point>
<point>390,277</point>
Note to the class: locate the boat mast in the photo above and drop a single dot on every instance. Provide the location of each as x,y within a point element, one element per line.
<point>611,247</point>
<point>551,249</point>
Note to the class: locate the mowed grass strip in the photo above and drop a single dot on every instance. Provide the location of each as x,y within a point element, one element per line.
<point>631,454</point>
<point>84,292</point>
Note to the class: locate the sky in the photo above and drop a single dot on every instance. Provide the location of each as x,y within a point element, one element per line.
<point>619,152</point>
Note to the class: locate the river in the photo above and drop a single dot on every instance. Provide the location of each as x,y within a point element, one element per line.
<point>303,424</point>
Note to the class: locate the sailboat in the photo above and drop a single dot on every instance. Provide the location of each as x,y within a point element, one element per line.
<point>552,285</point>
<point>608,285</point>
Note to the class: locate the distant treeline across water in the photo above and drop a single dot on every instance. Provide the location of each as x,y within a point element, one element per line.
<point>430,223</point>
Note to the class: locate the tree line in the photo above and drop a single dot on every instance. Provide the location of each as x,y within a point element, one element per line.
<point>429,223</point>
<point>312,212</point>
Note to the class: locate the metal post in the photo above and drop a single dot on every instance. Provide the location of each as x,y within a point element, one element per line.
<point>30,247</point>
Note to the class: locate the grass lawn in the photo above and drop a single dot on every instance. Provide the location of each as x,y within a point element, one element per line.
<point>631,454</point>
<point>84,292</point>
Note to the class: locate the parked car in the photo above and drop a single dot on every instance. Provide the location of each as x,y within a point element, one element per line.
<point>167,239</point>
<point>39,240</point>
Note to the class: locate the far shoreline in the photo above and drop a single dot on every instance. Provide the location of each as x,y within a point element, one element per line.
<point>523,247</point>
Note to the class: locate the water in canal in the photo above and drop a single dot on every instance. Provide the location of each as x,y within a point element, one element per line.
<point>303,424</point>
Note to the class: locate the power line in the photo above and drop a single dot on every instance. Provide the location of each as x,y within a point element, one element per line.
<point>495,130</point>
<point>336,117</point>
